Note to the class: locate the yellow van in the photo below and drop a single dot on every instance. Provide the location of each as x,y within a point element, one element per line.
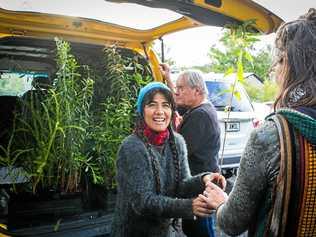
<point>125,24</point>
<point>28,51</point>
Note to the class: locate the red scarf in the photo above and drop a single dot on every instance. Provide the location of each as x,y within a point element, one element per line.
<point>156,138</point>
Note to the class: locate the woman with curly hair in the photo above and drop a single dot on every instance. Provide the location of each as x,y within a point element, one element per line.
<point>155,186</point>
<point>274,193</point>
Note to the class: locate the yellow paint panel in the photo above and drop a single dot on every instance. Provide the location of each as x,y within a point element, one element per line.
<point>243,10</point>
<point>79,29</point>
<point>5,227</point>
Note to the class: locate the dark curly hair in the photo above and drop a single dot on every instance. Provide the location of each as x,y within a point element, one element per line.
<point>296,49</point>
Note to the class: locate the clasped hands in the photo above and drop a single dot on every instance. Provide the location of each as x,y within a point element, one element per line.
<point>213,196</point>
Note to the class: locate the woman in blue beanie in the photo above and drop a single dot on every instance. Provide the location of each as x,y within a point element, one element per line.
<point>155,186</point>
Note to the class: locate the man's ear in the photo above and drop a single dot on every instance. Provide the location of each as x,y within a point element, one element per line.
<point>198,91</point>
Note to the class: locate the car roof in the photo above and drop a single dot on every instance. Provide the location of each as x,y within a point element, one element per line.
<point>110,22</point>
<point>213,76</point>
<point>249,78</point>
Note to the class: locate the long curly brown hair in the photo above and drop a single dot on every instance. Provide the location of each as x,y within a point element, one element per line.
<point>296,47</point>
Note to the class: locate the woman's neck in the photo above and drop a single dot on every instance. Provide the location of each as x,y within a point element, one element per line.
<point>154,137</point>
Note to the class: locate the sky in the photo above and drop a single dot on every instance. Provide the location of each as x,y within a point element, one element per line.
<point>190,47</point>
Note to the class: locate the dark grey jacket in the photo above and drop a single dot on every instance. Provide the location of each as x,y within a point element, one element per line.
<point>140,211</point>
<point>201,131</point>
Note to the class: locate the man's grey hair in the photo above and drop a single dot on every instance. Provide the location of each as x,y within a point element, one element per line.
<point>195,79</point>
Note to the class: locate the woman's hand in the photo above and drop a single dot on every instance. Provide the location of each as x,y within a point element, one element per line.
<point>215,178</point>
<point>200,208</point>
<point>213,195</point>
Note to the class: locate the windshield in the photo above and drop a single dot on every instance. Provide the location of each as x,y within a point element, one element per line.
<point>220,96</point>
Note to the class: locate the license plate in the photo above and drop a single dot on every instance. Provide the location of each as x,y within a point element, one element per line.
<point>232,126</point>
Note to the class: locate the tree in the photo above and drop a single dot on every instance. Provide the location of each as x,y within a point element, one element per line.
<point>206,68</point>
<point>261,63</point>
<point>222,60</point>
<point>239,45</point>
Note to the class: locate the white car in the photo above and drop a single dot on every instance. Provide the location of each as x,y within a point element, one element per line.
<point>235,125</point>
<point>262,110</point>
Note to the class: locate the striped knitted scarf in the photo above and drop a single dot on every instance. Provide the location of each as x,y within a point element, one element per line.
<point>305,124</point>
<point>294,202</point>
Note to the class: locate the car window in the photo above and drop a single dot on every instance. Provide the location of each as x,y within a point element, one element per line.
<point>220,96</point>
<point>124,14</point>
<point>15,83</point>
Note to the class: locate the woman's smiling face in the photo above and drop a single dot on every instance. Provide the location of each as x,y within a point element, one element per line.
<point>157,113</point>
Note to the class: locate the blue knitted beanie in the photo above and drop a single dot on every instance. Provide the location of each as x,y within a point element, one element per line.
<point>143,91</point>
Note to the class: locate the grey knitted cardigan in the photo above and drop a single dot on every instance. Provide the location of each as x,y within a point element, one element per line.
<point>259,167</point>
<point>250,201</point>
<point>251,198</point>
<point>140,211</point>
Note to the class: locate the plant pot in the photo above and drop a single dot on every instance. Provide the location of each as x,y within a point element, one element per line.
<point>36,210</point>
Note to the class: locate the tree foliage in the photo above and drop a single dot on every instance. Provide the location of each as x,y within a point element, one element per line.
<point>236,41</point>
<point>267,93</point>
<point>223,59</point>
